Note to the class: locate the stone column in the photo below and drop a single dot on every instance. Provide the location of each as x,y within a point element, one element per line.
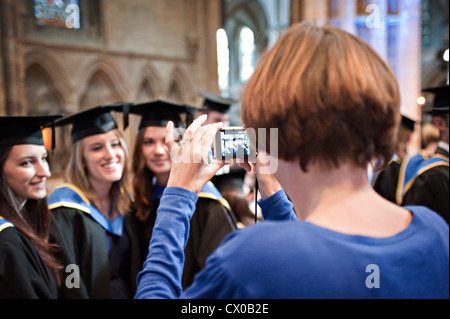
<point>378,38</point>
<point>347,14</point>
<point>409,63</point>
<point>12,96</point>
<point>296,14</point>
<point>409,56</point>
<point>316,11</point>
<point>212,17</point>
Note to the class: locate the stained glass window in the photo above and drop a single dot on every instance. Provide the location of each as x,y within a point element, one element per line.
<point>63,13</point>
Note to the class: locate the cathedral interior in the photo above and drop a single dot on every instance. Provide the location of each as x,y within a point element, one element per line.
<point>63,56</point>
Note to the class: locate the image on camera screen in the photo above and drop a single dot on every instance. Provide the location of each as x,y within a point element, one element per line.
<point>234,145</point>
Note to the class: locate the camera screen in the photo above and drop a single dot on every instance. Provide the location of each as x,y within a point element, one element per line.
<point>234,144</point>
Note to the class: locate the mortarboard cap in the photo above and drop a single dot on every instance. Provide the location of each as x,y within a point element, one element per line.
<point>215,102</point>
<point>441,99</point>
<point>231,181</point>
<point>17,130</point>
<point>408,123</point>
<point>97,120</point>
<point>159,113</point>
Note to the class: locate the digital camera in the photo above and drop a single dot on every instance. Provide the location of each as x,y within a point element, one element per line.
<point>232,143</point>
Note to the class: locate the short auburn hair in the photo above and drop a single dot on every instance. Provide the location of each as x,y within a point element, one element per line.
<point>331,96</point>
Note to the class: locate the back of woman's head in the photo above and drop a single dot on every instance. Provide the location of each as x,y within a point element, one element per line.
<point>332,98</point>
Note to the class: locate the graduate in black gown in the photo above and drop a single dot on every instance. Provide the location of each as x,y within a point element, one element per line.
<point>213,218</point>
<point>216,107</point>
<point>386,182</point>
<point>231,186</point>
<point>28,267</point>
<point>91,212</point>
<point>430,185</point>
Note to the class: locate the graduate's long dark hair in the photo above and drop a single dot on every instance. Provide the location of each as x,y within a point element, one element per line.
<point>33,219</point>
<point>142,181</point>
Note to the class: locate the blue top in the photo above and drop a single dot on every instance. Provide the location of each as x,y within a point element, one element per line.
<point>297,259</point>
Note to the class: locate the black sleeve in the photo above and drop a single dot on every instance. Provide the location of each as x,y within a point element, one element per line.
<point>82,242</point>
<point>431,189</point>
<point>23,274</point>
<point>385,182</point>
<point>209,225</point>
<point>137,256</point>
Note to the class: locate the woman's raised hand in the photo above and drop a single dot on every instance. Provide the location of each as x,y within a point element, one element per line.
<point>190,167</point>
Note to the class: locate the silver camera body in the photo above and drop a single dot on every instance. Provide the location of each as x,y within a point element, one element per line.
<point>232,143</point>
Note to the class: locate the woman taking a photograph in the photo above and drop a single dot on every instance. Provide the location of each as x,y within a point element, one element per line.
<point>335,103</point>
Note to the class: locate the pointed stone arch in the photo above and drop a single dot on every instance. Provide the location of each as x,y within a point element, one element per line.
<point>150,85</point>
<point>180,87</point>
<point>102,82</point>
<point>46,86</point>
<point>41,95</point>
<point>47,91</point>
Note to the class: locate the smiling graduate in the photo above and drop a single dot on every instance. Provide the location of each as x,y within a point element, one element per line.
<point>91,210</point>
<point>28,267</point>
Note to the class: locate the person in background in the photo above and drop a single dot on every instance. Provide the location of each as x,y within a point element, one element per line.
<point>337,238</point>
<point>216,107</point>
<point>91,212</point>
<point>429,185</point>
<point>231,186</point>
<point>213,218</point>
<point>28,266</point>
<point>386,181</point>
<point>430,138</point>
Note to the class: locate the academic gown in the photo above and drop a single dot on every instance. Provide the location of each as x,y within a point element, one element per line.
<point>385,182</point>
<point>430,187</point>
<point>23,273</point>
<point>212,221</point>
<point>103,251</point>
